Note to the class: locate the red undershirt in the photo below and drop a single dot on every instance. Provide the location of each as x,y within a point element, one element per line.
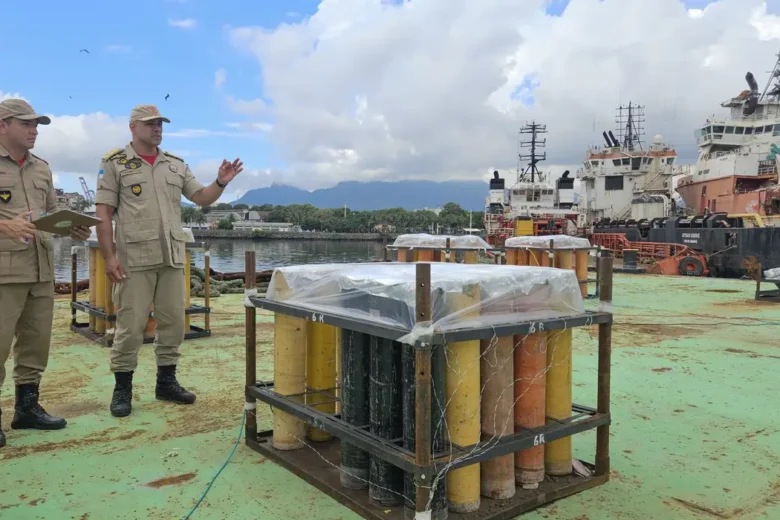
<point>149,158</point>
<point>21,161</point>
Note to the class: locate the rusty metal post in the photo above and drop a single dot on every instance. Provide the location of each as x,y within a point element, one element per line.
<point>384,248</point>
<point>73,282</point>
<point>207,287</point>
<point>422,416</point>
<point>758,282</point>
<point>251,348</point>
<point>605,361</point>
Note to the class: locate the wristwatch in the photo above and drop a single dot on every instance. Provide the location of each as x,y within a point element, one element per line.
<point>223,186</point>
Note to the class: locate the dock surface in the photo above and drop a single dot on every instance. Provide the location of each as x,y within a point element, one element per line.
<point>695,432</point>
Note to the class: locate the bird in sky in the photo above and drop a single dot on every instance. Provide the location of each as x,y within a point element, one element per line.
<point>84,50</point>
<point>167,96</point>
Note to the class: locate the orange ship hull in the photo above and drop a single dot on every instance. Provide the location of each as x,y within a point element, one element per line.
<point>732,195</point>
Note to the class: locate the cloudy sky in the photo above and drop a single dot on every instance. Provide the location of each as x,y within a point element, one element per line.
<point>312,93</point>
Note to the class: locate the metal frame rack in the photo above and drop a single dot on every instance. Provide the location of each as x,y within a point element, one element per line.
<point>551,255</point>
<point>319,467</point>
<point>109,315</point>
<point>772,295</point>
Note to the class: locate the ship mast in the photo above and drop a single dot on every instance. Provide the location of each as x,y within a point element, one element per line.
<point>534,156</point>
<point>629,122</point>
<point>774,76</point>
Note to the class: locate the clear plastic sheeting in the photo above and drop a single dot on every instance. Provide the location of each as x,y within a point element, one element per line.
<point>559,242</point>
<point>772,274</point>
<point>423,240</point>
<point>463,296</point>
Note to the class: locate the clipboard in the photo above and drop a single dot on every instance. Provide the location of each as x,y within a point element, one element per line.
<point>62,221</point>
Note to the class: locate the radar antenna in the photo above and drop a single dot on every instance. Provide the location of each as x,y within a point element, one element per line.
<point>534,156</point>
<point>629,121</point>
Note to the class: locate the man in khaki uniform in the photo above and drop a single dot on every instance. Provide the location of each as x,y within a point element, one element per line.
<point>140,187</point>
<point>26,263</point>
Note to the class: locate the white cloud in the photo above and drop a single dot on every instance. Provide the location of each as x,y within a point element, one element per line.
<point>246,125</point>
<point>12,95</point>
<point>220,77</point>
<point>243,106</point>
<point>438,89</point>
<point>187,23</point>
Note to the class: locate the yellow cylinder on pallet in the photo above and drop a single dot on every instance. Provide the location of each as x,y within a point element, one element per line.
<point>581,259</point>
<point>538,258</point>
<point>100,291</point>
<point>462,383</point>
<point>469,257</point>
<point>322,346</point>
<point>289,378</point>
<point>187,289</point>
<point>564,259</point>
<point>93,253</point>
<point>511,256</point>
<point>557,455</point>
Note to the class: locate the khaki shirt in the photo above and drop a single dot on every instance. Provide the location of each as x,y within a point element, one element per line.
<point>148,232</point>
<point>29,187</point>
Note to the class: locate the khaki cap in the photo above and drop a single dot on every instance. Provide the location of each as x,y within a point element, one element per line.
<point>21,109</point>
<point>146,113</point>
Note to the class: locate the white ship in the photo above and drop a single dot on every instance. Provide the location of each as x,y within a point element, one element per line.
<point>544,207</point>
<point>625,179</point>
<point>736,171</point>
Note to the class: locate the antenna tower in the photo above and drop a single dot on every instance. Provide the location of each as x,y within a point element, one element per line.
<point>774,76</point>
<point>535,144</point>
<point>630,125</point>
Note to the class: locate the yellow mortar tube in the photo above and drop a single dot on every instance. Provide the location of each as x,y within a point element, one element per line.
<point>469,257</point>
<point>557,455</point>
<point>93,252</point>
<point>322,346</point>
<point>581,267</point>
<point>462,383</point>
<point>538,258</point>
<point>187,289</point>
<point>564,259</point>
<point>100,292</point>
<point>511,256</point>
<point>402,255</point>
<point>289,374</point>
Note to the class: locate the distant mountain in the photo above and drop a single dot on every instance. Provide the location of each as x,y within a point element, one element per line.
<point>369,196</point>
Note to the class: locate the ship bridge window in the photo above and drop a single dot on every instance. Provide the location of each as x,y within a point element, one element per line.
<point>616,162</point>
<point>518,192</point>
<point>729,129</point>
<point>740,130</point>
<point>626,161</point>
<point>768,129</point>
<point>533,195</point>
<point>708,130</point>
<point>636,162</point>
<point>758,130</point>
<point>613,182</point>
<point>594,163</point>
<point>748,130</point>
<point>717,130</point>
<point>670,160</point>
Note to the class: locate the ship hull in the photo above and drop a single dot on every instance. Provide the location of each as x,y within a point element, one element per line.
<point>721,196</point>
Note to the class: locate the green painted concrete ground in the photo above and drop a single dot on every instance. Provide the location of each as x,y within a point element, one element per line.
<point>696,421</point>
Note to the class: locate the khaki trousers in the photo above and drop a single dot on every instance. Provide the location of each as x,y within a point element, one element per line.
<point>26,314</point>
<point>133,296</point>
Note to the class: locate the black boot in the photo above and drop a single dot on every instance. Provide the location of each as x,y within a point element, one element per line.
<point>31,415</point>
<point>168,389</point>
<point>2,435</point>
<point>123,394</point>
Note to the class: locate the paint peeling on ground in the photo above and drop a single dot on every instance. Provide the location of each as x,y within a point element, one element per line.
<point>170,481</point>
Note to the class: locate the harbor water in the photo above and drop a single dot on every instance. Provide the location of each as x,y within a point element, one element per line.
<point>227,255</point>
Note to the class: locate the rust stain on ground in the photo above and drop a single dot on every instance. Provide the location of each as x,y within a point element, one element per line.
<point>700,509</point>
<point>744,303</point>
<point>637,335</point>
<point>725,291</point>
<point>97,438</point>
<point>37,501</point>
<point>665,369</point>
<point>170,481</point>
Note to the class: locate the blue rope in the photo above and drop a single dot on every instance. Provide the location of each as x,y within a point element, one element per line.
<point>235,446</point>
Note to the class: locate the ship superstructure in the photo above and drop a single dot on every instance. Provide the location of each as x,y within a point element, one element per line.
<point>532,199</point>
<point>625,179</point>
<point>736,171</point>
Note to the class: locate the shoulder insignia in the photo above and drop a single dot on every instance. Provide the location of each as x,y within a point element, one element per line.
<point>112,153</point>
<point>40,159</point>
<point>169,154</point>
